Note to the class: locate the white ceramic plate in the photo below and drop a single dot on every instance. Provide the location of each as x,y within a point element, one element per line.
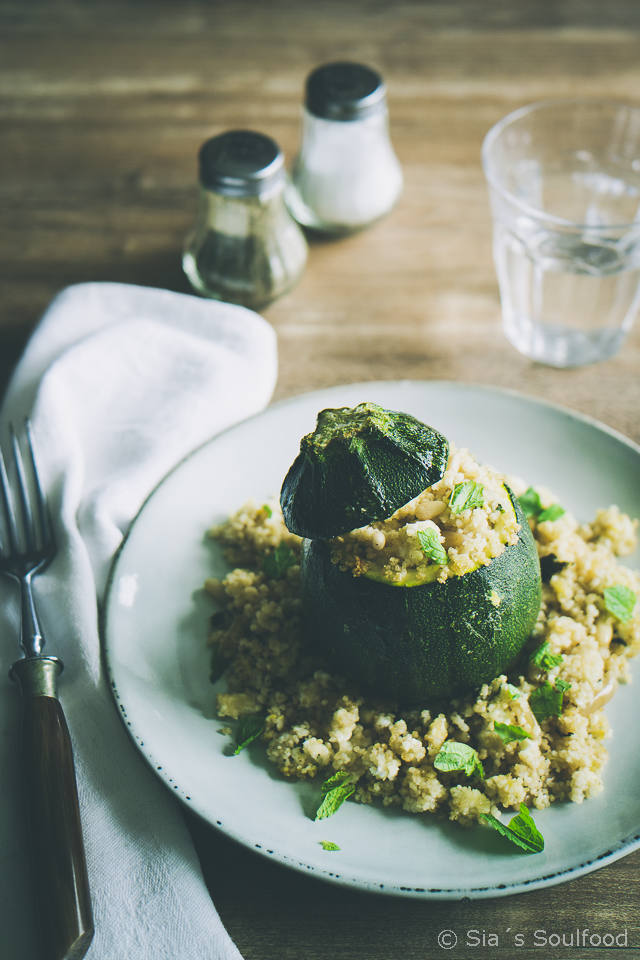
<point>156,626</point>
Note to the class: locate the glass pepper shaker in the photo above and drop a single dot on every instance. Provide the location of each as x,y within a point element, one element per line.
<point>346,175</point>
<point>245,247</point>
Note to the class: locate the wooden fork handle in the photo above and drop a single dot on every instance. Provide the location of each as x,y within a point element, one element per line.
<point>57,848</point>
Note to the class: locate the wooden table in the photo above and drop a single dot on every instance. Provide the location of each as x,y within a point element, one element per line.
<point>104,106</point>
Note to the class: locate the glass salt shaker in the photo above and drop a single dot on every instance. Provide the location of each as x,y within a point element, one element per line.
<point>346,175</point>
<point>245,247</point>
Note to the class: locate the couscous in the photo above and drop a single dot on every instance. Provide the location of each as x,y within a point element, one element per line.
<point>318,723</point>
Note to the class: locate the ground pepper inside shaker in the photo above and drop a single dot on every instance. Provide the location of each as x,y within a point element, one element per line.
<point>245,247</point>
<point>346,175</point>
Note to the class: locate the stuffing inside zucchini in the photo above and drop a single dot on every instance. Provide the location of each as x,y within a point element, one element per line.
<point>461,522</point>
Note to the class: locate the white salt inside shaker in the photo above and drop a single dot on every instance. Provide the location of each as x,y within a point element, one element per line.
<point>346,175</point>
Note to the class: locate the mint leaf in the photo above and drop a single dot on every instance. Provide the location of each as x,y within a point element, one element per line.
<point>249,729</point>
<point>530,503</point>
<point>334,799</point>
<point>510,732</point>
<point>336,789</point>
<point>514,692</point>
<point>562,685</point>
<point>545,702</point>
<point>521,830</point>
<point>620,601</point>
<point>542,657</point>
<point>336,780</point>
<point>276,563</point>
<point>329,845</point>
<point>466,496</point>
<point>554,512</point>
<point>267,509</point>
<point>431,546</point>
<point>458,756</point>
<point>524,826</point>
<point>531,507</point>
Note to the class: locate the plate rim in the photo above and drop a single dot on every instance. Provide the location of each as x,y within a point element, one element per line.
<point>623,848</point>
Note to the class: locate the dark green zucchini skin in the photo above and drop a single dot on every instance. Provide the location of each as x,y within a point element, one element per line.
<point>423,643</point>
<point>360,464</point>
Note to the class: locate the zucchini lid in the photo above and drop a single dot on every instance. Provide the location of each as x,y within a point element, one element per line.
<point>360,464</point>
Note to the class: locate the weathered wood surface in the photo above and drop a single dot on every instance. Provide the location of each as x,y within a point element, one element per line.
<point>103,106</point>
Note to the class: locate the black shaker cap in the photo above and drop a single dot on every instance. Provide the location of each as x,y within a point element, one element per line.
<point>345,91</point>
<point>241,163</point>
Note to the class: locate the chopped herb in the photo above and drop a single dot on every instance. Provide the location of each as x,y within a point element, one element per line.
<point>329,845</point>
<point>521,830</point>
<point>249,729</point>
<point>545,702</point>
<point>336,789</point>
<point>532,508</point>
<point>554,512</point>
<point>336,780</point>
<point>466,496</point>
<point>432,547</point>
<point>620,601</point>
<point>335,796</point>
<point>530,503</point>
<point>562,685</point>
<point>513,691</point>
<point>510,732</point>
<point>267,509</point>
<point>458,756</point>
<point>276,563</point>
<point>543,658</point>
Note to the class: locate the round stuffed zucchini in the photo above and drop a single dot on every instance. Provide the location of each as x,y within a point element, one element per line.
<point>398,603</point>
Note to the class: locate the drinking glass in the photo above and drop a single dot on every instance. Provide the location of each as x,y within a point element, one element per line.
<point>564,186</point>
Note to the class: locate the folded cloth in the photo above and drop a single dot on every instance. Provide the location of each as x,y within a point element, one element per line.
<point>120,383</point>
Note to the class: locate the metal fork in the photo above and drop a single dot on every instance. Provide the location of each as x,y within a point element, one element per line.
<point>57,850</point>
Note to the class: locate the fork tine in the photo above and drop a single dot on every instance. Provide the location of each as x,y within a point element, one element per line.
<point>29,527</point>
<point>7,499</point>
<point>43,513</point>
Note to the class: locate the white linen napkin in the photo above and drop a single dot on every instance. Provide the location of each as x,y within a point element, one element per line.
<point>120,383</point>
